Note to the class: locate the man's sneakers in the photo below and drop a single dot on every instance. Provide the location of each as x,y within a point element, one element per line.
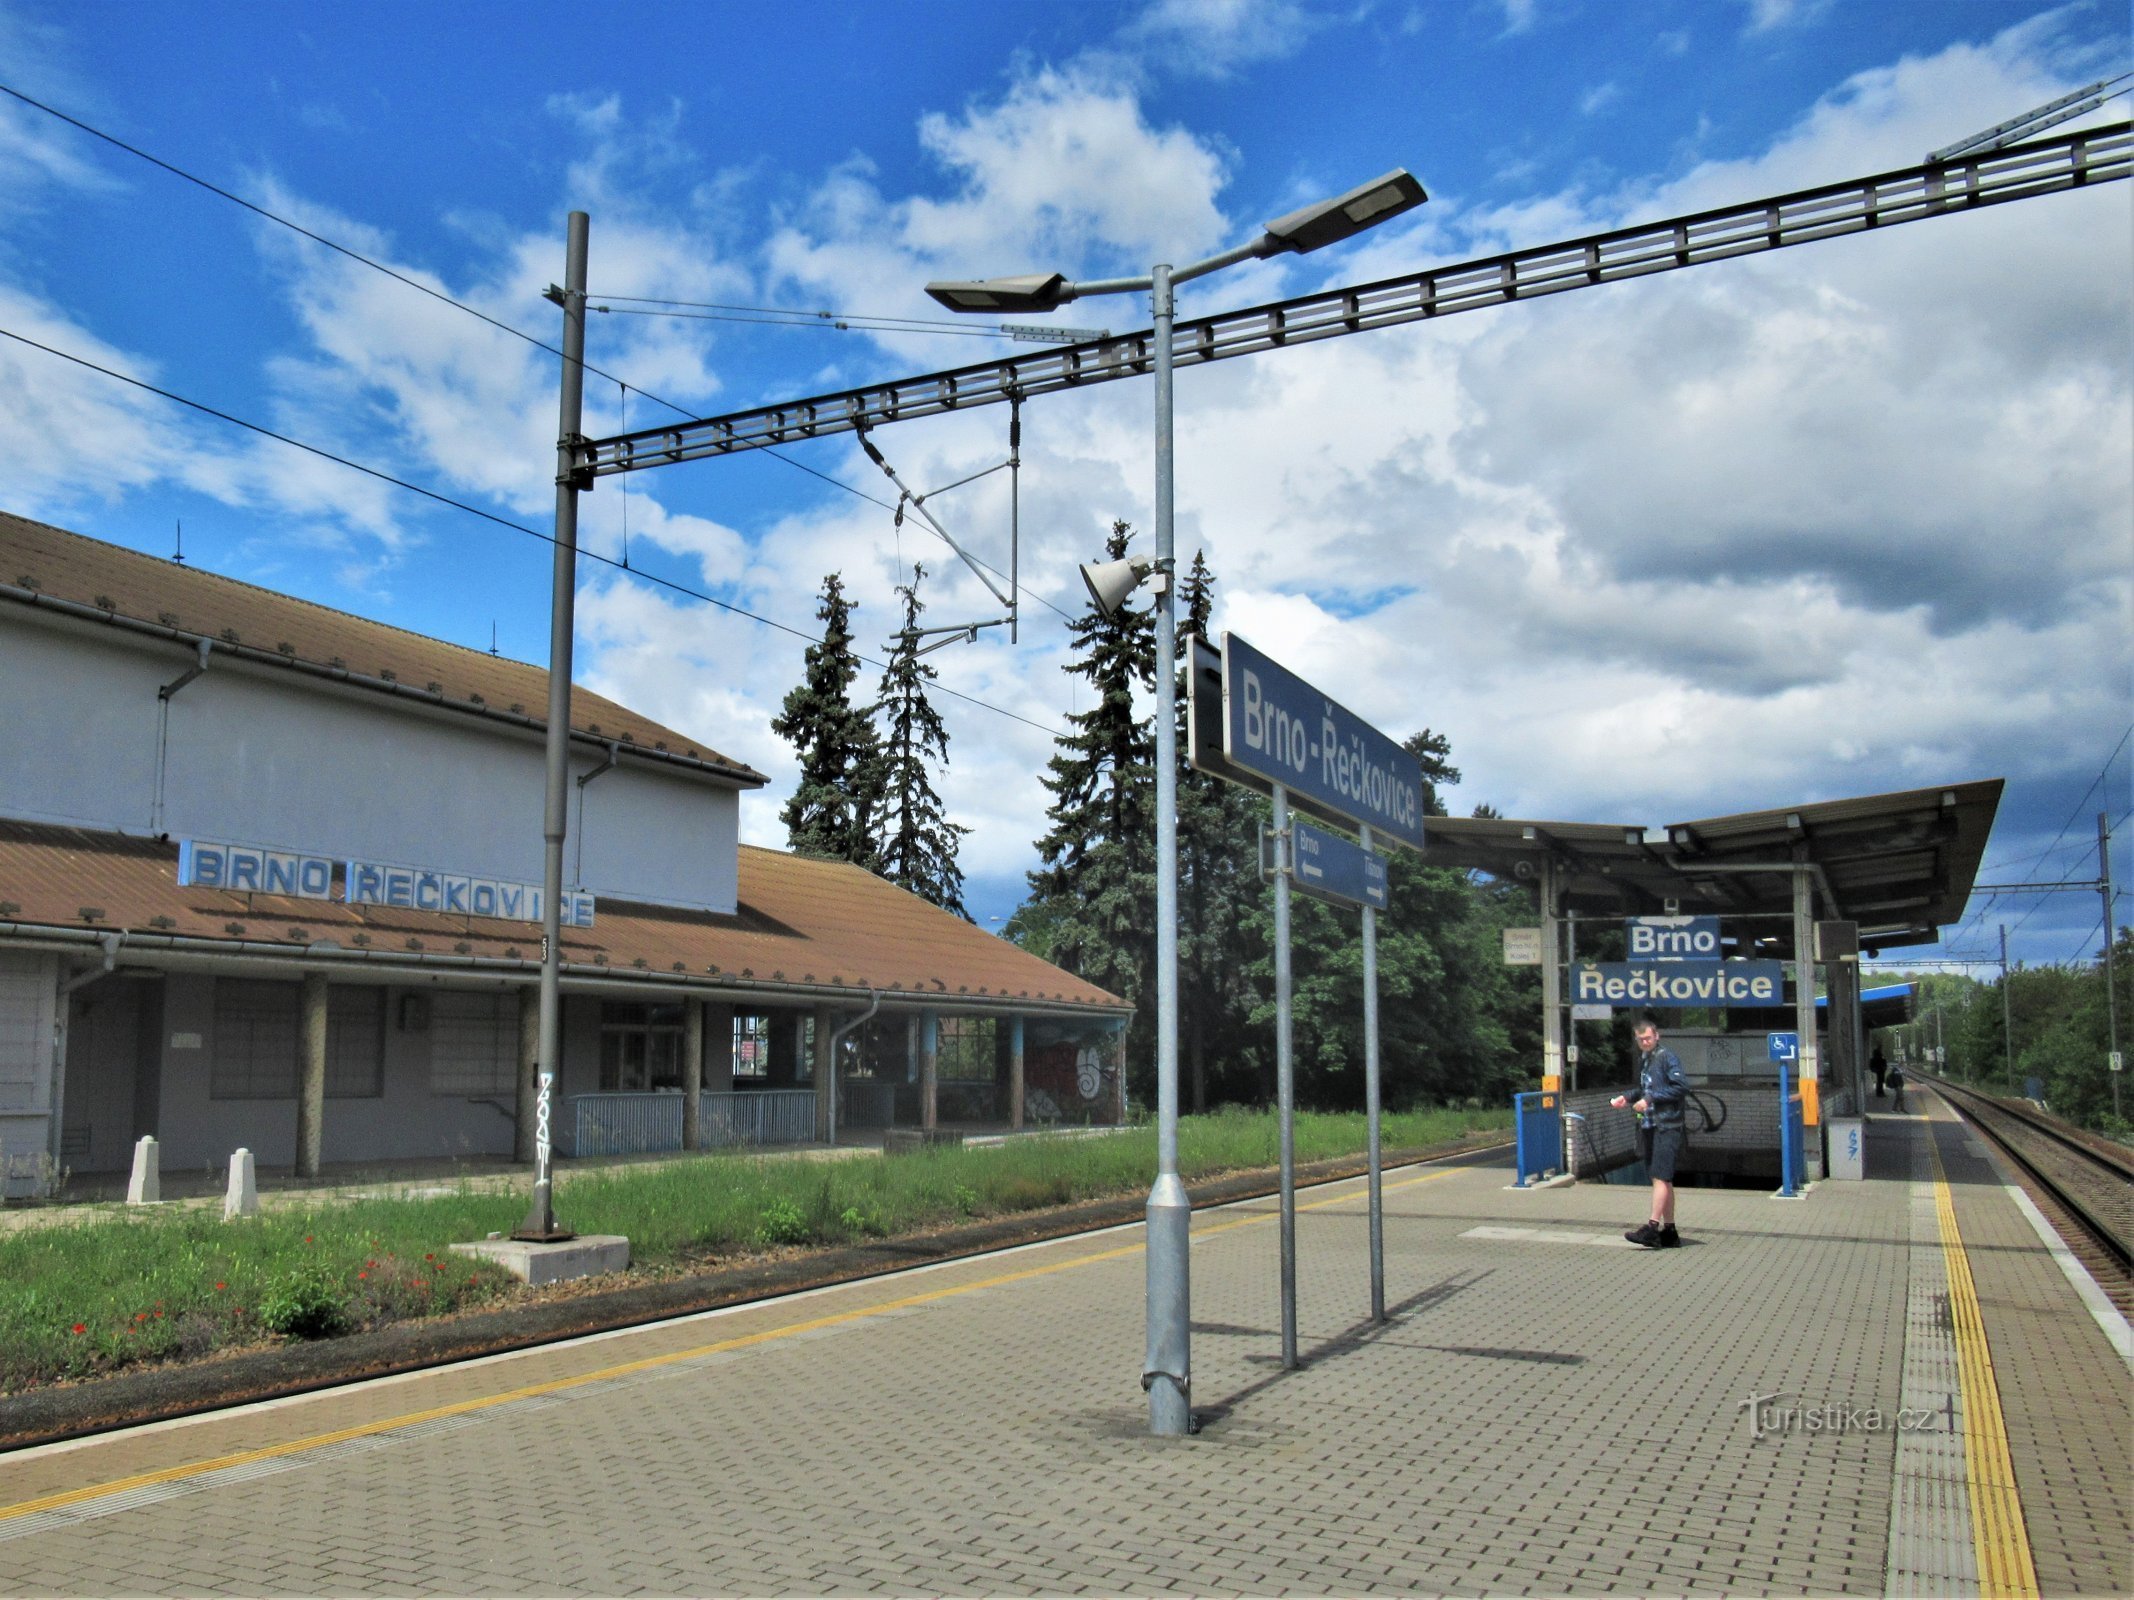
<point>1652,1236</point>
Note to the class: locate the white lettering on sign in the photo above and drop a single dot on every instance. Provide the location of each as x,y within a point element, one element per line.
<point>1719,983</point>
<point>250,869</point>
<point>415,889</point>
<point>1674,939</point>
<point>1271,730</point>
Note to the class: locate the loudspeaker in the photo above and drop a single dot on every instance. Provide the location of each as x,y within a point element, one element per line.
<point>1110,582</point>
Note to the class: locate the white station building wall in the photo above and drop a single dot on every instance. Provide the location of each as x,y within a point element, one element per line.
<point>254,755</point>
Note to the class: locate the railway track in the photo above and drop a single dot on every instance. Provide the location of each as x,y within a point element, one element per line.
<point>2083,1183</point>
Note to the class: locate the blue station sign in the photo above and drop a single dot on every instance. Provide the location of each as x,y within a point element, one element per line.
<point>254,869</point>
<point>1674,938</point>
<point>1282,729</point>
<point>1679,983</point>
<point>1328,867</point>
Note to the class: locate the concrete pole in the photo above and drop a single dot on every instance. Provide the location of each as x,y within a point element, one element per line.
<point>311,1079</point>
<point>522,1141</point>
<point>2007,1014</point>
<point>1118,1066</point>
<point>2111,975</point>
<point>1015,1072</point>
<point>1167,1367</point>
<point>1809,1065</point>
<point>692,1074</point>
<point>1285,1076</point>
<point>929,1052</point>
<point>540,1222</point>
<point>1371,1098</point>
<point>825,1077</point>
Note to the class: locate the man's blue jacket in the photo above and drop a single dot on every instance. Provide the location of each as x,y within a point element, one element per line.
<point>1663,1088</point>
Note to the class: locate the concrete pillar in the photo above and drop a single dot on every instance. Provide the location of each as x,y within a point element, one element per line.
<point>1810,1063</point>
<point>825,1074</point>
<point>311,1074</point>
<point>692,1072</point>
<point>145,1186</point>
<point>527,1108</point>
<point>929,1046</point>
<point>1118,1062</point>
<point>1551,981</point>
<point>242,1200</point>
<point>1837,945</point>
<point>718,1047</point>
<point>1015,1072</point>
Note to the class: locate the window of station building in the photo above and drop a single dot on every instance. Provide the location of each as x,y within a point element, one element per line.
<point>752,1047</point>
<point>257,1040</point>
<point>640,1046</point>
<point>963,1049</point>
<point>474,1044</point>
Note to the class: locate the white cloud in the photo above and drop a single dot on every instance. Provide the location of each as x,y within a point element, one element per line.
<point>1214,38</point>
<point>1598,99</point>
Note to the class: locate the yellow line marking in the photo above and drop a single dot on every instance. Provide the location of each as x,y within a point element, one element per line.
<point>98,1491</point>
<point>1999,1537</point>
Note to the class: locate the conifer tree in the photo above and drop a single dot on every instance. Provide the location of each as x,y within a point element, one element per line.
<point>834,809</point>
<point>1093,898</point>
<point>917,843</point>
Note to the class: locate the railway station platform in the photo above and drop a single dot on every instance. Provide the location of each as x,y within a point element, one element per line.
<point>1890,1387</point>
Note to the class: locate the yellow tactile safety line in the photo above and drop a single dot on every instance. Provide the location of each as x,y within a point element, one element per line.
<point>1999,1537</point>
<point>191,1469</point>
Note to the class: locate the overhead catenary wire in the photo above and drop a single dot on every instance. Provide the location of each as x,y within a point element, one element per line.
<point>443,499</point>
<point>439,295</point>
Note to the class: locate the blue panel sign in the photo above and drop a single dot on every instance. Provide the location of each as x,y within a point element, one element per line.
<point>1328,867</point>
<point>1784,1046</point>
<point>1679,983</point>
<point>375,883</point>
<point>1674,938</point>
<point>249,869</point>
<point>1280,727</point>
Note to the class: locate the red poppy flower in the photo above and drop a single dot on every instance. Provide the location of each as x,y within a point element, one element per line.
<point>221,1286</point>
<point>81,1327</point>
<point>362,1274</point>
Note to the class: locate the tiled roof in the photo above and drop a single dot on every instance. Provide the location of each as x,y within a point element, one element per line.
<point>161,596</point>
<point>804,929</point>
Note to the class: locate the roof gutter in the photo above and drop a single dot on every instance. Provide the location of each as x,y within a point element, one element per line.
<point>205,644</point>
<point>585,977</point>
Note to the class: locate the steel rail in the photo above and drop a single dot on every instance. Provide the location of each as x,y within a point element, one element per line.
<point>1881,200</point>
<point>1973,1103</point>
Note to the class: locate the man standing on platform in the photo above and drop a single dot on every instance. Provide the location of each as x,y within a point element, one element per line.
<point>1663,1094</point>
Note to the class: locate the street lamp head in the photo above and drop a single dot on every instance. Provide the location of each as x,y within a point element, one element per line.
<point>1330,221</point>
<point>1111,582</point>
<point>1033,291</point>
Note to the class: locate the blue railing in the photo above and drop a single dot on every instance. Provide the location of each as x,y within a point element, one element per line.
<point>645,1124</point>
<point>1538,1133</point>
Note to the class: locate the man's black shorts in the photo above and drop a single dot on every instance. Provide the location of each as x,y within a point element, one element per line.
<point>1661,1150</point>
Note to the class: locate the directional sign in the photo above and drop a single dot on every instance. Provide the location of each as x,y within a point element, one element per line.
<point>1784,1046</point>
<point>1674,938</point>
<point>1522,947</point>
<point>1280,727</point>
<point>1679,983</point>
<point>1331,868</point>
<point>1592,1013</point>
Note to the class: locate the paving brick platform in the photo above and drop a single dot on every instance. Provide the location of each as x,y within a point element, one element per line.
<point>1547,1411</point>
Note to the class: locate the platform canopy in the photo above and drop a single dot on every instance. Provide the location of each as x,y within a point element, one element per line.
<point>1900,865</point>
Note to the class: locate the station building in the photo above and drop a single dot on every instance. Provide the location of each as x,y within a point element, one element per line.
<point>232,821</point>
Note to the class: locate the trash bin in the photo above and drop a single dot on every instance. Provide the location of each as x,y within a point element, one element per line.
<point>1848,1148</point>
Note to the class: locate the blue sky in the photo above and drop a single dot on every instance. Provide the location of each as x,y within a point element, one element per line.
<point>1849,518</point>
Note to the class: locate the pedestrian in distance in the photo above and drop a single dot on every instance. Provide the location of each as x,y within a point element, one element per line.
<point>1878,1064</point>
<point>1663,1131</point>
<point>1896,1088</point>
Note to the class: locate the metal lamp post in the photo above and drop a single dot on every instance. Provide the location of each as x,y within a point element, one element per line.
<point>1167,1369</point>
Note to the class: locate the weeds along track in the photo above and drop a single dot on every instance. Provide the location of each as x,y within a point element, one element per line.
<point>2083,1182</point>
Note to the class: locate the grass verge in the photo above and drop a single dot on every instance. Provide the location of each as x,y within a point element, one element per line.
<point>150,1286</point>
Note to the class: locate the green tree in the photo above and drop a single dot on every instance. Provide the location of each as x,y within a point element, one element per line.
<point>917,843</point>
<point>1093,894</point>
<point>833,809</point>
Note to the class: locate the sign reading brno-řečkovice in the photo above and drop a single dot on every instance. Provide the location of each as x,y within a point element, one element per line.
<point>1280,727</point>
<point>1678,983</point>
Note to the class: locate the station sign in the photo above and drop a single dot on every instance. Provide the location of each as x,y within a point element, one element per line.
<point>1337,870</point>
<point>1679,983</point>
<point>255,869</point>
<point>1674,938</point>
<point>1522,947</point>
<point>1281,729</point>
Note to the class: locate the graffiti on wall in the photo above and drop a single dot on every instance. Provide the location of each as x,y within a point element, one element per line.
<point>1071,1080</point>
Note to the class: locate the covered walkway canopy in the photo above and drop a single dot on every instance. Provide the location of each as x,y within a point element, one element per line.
<point>1900,865</point>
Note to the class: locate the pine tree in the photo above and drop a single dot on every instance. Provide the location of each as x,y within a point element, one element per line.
<point>1092,901</point>
<point>917,842</point>
<point>833,811</point>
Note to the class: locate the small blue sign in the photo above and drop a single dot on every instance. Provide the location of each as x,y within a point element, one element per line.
<point>1674,939</point>
<point>1678,983</point>
<point>1278,726</point>
<point>253,869</point>
<point>1784,1046</point>
<point>1328,867</point>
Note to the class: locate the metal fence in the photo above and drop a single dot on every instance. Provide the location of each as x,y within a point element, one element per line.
<point>644,1124</point>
